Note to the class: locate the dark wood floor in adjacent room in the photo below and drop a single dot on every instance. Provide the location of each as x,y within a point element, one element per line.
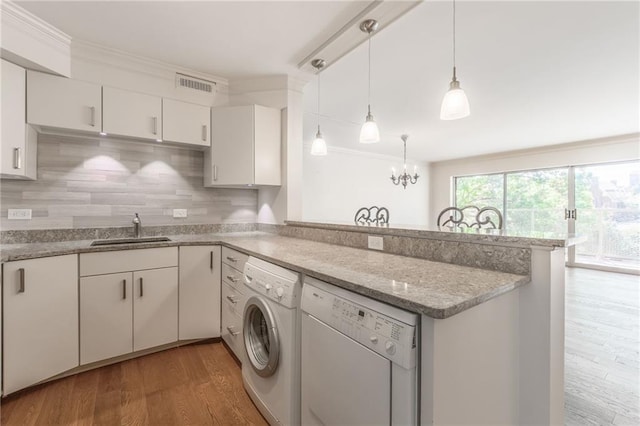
<point>198,384</point>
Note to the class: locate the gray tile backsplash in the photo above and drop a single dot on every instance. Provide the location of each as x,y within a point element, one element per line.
<point>89,182</point>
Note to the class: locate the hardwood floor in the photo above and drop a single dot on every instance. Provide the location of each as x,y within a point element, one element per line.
<point>202,384</point>
<point>198,384</point>
<point>602,341</point>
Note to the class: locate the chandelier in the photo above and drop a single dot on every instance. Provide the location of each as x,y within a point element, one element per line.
<point>405,178</point>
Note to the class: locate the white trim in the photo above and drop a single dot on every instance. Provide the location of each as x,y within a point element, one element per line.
<point>103,55</point>
<point>632,137</point>
<point>32,23</point>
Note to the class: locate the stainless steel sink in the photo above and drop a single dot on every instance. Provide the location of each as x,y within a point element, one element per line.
<point>114,241</point>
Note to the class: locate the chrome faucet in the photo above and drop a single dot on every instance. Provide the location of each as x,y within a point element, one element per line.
<point>137,226</point>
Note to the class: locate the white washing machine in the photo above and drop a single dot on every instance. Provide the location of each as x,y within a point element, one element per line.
<point>359,359</point>
<point>271,332</point>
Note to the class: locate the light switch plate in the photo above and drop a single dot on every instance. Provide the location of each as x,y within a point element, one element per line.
<point>375,243</point>
<point>20,214</point>
<point>179,212</point>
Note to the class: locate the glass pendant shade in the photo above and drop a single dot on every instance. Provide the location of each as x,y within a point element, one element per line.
<point>319,146</point>
<point>455,104</point>
<point>369,132</point>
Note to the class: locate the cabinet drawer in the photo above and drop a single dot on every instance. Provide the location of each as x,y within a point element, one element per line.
<point>233,298</point>
<point>127,260</point>
<point>232,277</point>
<point>232,331</point>
<point>234,258</point>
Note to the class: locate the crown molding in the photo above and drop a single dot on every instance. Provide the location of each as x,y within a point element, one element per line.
<point>618,139</point>
<point>33,43</point>
<point>83,50</point>
<point>29,22</point>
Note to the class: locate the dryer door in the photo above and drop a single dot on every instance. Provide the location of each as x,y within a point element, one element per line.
<point>261,341</point>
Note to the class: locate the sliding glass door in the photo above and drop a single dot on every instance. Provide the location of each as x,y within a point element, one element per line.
<point>601,202</point>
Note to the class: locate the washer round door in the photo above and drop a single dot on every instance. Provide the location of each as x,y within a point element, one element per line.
<point>261,341</point>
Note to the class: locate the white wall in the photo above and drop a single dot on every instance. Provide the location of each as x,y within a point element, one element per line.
<point>620,148</point>
<point>337,185</point>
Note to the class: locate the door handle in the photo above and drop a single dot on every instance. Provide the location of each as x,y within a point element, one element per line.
<point>232,279</point>
<point>141,287</point>
<point>232,331</point>
<point>124,289</point>
<point>17,158</point>
<point>92,122</point>
<point>232,259</point>
<point>215,172</point>
<point>232,299</point>
<point>21,280</point>
<point>155,125</point>
<point>211,261</point>
<point>204,132</point>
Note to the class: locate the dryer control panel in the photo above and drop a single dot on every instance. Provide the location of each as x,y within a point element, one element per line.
<point>381,332</point>
<point>278,284</point>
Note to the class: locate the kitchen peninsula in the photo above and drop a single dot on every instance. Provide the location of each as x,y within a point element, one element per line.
<point>482,327</point>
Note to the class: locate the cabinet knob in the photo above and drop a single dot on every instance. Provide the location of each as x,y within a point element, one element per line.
<point>204,133</point>
<point>92,120</point>
<point>17,158</point>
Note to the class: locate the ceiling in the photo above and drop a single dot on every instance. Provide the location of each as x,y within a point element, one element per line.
<point>536,73</point>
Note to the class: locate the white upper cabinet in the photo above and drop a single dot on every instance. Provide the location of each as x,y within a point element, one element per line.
<point>245,147</point>
<point>63,103</point>
<point>18,141</point>
<point>132,114</point>
<point>187,123</point>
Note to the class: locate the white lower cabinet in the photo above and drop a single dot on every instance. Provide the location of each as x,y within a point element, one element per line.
<point>199,310</point>
<point>233,300</point>
<point>106,316</point>
<point>123,310</point>
<point>155,308</point>
<point>40,323</point>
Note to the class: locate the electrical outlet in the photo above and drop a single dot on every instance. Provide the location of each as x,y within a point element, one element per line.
<point>179,212</point>
<point>375,243</point>
<point>20,214</point>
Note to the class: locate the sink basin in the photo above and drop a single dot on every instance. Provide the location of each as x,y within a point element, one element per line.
<point>129,241</point>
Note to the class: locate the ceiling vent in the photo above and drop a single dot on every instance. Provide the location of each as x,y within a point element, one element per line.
<point>189,82</point>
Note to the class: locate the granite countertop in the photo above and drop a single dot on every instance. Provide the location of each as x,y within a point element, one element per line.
<point>438,290</point>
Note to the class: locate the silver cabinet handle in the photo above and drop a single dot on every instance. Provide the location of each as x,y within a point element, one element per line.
<point>17,158</point>
<point>232,331</point>
<point>92,123</point>
<point>232,299</point>
<point>21,282</point>
<point>141,287</point>
<point>211,261</point>
<point>232,259</point>
<point>232,279</point>
<point>124,289</point>
<point>215,172</point>
<point>204,132</point>
<point>155,125</point>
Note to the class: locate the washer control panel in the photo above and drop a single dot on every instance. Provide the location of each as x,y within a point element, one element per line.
<point>272,281</point>
<point>388,336</point>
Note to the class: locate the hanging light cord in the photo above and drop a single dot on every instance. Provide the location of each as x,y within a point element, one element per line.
<point>318,100</point>
<point>454,33</point>
<point>369,89</point>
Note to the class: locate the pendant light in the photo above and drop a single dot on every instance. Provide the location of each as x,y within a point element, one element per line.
<point>319,146</point>
<point>369,132</point>
<point>455,104</point>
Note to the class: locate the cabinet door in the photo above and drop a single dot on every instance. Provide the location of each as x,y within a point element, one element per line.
<point>268,124</point>
<point>40,324</point>
<point>155,307</point>
<point>131,114</point>
<point>230,159</point>
<point>63,103</point>
<point>106,316</point>
<point>199,308</point>
<point>17,140</point>
<point>185,123</point>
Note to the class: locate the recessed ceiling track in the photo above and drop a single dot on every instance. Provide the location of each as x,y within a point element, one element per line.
<point>349,36</point>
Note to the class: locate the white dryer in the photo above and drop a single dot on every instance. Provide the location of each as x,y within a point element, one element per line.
<point>271,332</point>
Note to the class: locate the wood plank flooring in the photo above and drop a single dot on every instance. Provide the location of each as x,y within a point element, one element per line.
<point>202,384</point>
<point>199,384</point>
<point>602,341</point>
